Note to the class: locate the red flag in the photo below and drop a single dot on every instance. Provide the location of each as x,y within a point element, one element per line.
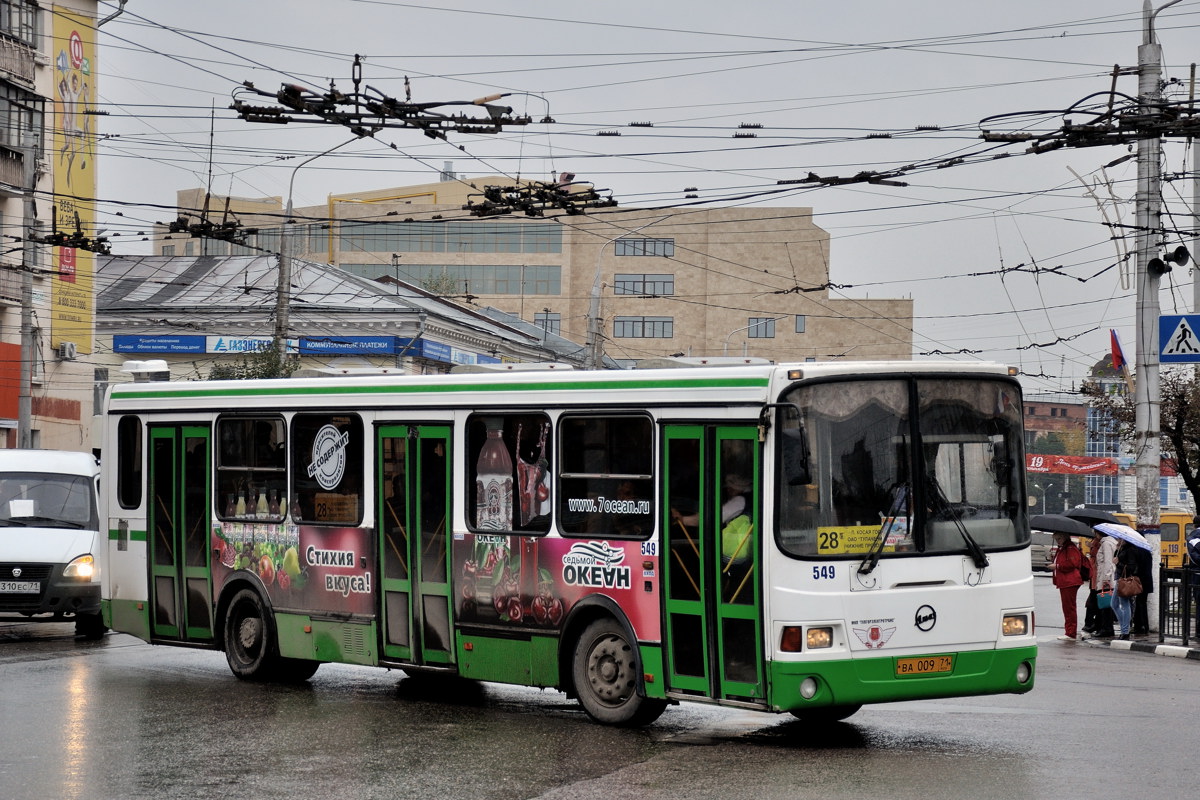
<point>1118,355</point>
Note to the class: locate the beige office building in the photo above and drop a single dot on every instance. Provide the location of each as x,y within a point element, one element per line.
<point>679,281</point>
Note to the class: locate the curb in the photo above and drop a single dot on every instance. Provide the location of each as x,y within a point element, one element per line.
<point>1153,648</point>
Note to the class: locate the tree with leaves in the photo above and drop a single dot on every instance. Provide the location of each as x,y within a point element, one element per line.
<point>1179,419</point>
<point>270,362</point>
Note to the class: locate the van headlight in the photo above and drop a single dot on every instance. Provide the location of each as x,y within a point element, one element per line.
<point>83,568</point>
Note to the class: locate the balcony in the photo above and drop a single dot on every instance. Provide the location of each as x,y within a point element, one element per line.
<point>12,172</point>
<point>17,61</point>
<point>10,286</point>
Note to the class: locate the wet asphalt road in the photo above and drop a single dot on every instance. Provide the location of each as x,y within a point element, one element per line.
<point>119,719</point>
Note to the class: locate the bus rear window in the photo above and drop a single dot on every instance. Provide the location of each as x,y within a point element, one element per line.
<point>606,476</point>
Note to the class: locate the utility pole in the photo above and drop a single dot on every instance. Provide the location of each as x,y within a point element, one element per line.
<point>1147,387</point>
<point>28,348</point>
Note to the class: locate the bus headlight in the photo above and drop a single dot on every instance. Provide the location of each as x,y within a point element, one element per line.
<point>808,688</point>
<point>1024,672</point>
<point>819,638</point>
<point>1015,625</point>
<point>795,638</point>
<point>83,568</point>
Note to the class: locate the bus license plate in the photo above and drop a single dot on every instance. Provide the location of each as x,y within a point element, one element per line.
<point>925,665</point>
<point>19,587</point>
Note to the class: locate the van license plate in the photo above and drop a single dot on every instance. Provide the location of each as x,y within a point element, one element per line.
<point>19,587</point>
<point>926,665</point>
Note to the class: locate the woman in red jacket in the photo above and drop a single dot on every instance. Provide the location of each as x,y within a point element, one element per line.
<point>1067,561</point>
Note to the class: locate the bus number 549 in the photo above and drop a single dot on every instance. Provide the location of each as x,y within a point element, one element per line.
<point>826,572</point>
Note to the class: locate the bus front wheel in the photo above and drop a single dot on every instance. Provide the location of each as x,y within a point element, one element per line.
<point>605,671</point>
<point>249,637</point>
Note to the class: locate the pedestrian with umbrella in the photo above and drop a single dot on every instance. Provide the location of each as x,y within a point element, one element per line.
<point>1104,580</point>
<point>1126,566</point>
<point>1068,565</point>
<point>1096,621</point>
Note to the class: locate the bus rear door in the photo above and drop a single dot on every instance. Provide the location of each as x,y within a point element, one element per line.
<point>712,571</point>
<point>179,522</point>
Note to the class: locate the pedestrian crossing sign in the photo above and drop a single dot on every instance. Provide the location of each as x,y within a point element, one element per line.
<point>1179,338</point>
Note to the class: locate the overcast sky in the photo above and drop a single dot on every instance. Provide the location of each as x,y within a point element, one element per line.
<point>1007,259</point>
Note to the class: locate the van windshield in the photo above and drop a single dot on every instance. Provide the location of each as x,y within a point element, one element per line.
<point>47,500</point>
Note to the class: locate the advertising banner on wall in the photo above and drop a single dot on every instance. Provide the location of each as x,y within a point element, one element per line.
<point>72,156</point>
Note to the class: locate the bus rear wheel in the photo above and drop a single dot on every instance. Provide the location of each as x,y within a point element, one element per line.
<point>605,672</point>
<point>249,637</point>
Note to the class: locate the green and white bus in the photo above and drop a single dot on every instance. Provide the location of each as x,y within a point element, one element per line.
<point>805,538</point>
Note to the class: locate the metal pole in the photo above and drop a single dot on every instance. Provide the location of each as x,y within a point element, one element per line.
<point>283,294</point>
<point>1195,142</point>
<point>28,349</point>
<point>595,344</point>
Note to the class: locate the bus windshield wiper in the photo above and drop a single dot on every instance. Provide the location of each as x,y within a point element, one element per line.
<point>899,503</point>
<point>946,509</point>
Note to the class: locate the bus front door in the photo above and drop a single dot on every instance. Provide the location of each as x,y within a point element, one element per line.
<point>413,491</point>
<point>179,522</point>
<point>711,563</point>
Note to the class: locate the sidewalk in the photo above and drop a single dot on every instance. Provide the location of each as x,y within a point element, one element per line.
<point>1149,644</point>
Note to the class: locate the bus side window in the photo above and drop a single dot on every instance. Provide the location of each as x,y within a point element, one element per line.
<point>250,468</point>
<point>508,472</point>
<point>606,476</point>
<point>129,462</point>
<point>327,468</point>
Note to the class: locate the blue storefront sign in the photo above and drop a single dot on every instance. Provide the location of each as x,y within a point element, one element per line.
<point>159,344</point>
<point>329,346</point>
<point>348,345</point>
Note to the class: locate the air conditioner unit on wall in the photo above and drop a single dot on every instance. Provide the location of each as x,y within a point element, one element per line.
<point>66,351</point>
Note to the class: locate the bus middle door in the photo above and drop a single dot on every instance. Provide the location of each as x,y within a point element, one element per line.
<point>711,561</point>
<point>413,491</point>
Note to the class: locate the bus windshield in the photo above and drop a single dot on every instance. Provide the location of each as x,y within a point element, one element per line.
<point>901,467</point>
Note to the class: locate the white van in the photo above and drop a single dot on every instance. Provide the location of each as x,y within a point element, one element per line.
<point>50,539</point>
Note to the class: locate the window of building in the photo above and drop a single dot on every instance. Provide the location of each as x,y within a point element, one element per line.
<point>477,279</point>
<point>508,472</point>
<point>449,237</point>
<point>21,116</point>
<point>800,323</point>
<point>645,247</point>
<point>189,248</point>
<point>251,468</point>
<point>606,476</point>
<point>549,321</point>
<point>643,327</point>
<point>18,21</point>
<point>1031,411</point>
<point>327,479</point>
<point>650,284</point>
<point>761,328</point>
<point>168,250</point>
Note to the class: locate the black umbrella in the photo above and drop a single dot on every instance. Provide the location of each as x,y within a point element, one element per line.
<point>1058,523</point>
<point>1091,516</point>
